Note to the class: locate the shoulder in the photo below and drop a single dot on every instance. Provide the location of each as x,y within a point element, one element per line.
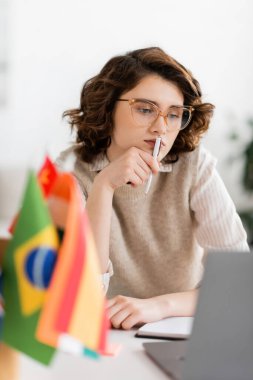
<point>194,164</point>
<point>205,156</point>
<point>188,159</point>
<point>206,162</point>
<point>67,157</point>
<point>73,155</point>
<point>200,158</point>
<point>70,160</point>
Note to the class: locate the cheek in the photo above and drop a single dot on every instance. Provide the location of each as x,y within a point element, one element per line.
<point>123,126</point>
<point>122,118</point>
<point>173,137</point>
<point>170,141</point>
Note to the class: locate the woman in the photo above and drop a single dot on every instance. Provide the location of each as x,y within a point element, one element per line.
<point>155,242</point>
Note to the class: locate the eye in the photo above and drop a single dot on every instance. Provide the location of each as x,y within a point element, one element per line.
<point>173,116</point>
<point>175,113</point>
<point>144,108</point>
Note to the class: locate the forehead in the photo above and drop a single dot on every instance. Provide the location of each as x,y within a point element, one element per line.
<point>157,89</point>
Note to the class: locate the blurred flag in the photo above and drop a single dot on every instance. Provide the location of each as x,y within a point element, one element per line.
<point>46,177</point>
<point>27,266</point>
<point>84,301</point>
<point>75,303</point>
<point>1,305</point>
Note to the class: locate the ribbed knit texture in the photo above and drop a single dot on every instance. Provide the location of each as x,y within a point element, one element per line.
<point>157,240</point>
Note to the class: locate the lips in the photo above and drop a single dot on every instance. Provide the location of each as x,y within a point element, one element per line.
<point>151,142</point>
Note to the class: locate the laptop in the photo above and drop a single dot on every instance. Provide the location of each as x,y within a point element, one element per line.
<point>221,344</point>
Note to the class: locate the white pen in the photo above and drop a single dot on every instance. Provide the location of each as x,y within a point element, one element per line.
<point>155,154</point>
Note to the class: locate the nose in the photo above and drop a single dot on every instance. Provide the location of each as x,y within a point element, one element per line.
<point>160,125</point>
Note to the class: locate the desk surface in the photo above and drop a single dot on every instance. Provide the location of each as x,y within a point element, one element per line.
<point>130,363</point>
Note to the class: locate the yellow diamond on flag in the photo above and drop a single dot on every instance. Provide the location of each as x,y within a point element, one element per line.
<point>34,262</point>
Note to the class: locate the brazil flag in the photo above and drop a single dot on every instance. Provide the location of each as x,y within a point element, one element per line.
<point>27,267</point>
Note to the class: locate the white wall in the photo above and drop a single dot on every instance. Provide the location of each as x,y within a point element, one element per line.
<point>54,46</point>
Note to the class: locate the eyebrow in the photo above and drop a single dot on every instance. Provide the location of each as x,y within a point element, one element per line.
<point>157,104</point>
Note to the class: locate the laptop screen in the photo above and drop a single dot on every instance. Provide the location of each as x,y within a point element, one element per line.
<point>221,343</point>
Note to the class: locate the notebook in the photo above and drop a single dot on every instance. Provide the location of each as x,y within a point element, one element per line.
<point>168,328</point>
<point>221,342</point>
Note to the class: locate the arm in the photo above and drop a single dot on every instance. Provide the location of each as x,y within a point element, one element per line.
<point>218,224</point>
<point>126,312</point>
<point>99,209</point>
<point>133,167</point>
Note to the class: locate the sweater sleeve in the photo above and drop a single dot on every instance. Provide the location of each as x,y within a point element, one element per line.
<point>218,226</point>
<point>105,277</point>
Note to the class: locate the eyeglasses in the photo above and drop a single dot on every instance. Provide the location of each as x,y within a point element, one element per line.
<point>145,113</point>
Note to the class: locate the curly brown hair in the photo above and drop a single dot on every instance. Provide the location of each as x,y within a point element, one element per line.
<point>93,119</point>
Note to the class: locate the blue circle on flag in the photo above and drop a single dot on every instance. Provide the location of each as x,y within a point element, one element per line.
<point>39,266</point>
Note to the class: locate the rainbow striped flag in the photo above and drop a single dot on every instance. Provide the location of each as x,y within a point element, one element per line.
<point>27,268</point>
<point>75,303</point>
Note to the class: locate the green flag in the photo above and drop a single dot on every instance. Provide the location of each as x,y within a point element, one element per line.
<point>27,268</point>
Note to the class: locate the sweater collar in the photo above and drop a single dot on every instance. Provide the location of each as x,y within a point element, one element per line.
<point>102,161</point>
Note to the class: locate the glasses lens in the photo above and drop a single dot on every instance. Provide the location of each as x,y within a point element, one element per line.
<point>178,117</point>
<point>144,113</point>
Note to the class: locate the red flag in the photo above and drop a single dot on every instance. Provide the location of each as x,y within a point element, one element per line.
<point>47,175</point>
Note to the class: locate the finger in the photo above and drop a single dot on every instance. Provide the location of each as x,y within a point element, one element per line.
<point>111,302</point>
<point>142,173</point>
<point>150,161</point>
<point>118,318</point>
<point>135,179</point>
<point>144,166</point>
<point>132,320</point>
<point>114,310</point>
<point>155,165</point>
<point>143,170</point>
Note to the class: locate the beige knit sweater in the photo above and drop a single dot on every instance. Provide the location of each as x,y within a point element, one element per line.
<point>157,240</point>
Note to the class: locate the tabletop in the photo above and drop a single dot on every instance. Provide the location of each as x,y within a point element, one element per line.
<point>130,363</point>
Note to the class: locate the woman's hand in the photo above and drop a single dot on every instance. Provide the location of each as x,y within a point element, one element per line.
<point>133,167</point>
<point>126,312</point>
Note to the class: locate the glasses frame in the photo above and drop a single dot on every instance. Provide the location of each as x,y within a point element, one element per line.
<point>159,112</point>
